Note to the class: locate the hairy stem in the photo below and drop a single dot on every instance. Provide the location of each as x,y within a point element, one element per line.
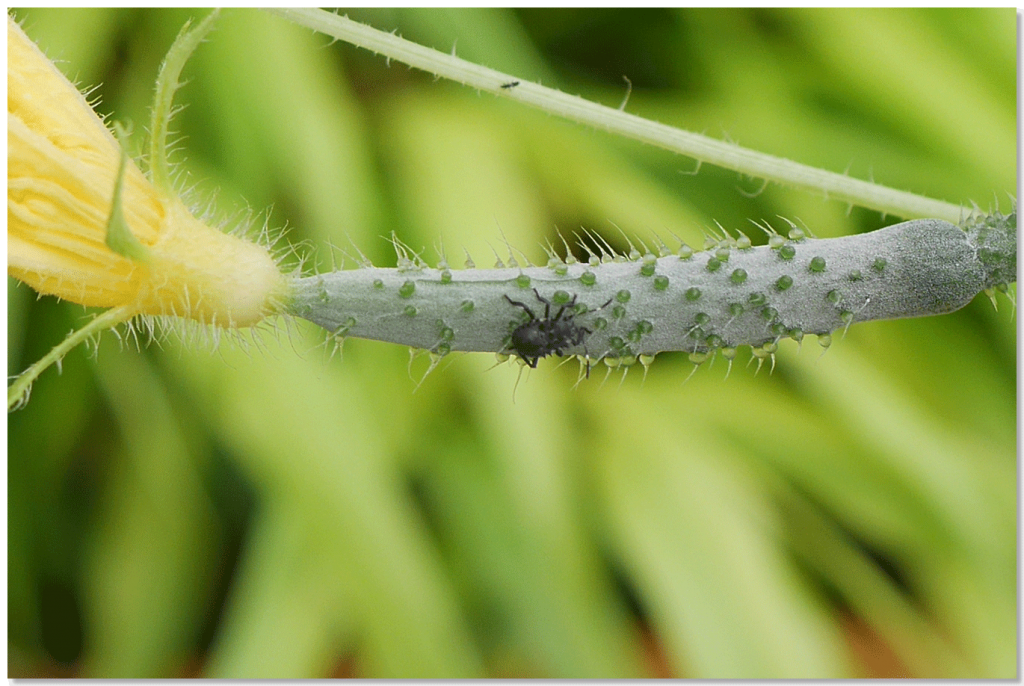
<point>728,155</point>
<point>18,392</point>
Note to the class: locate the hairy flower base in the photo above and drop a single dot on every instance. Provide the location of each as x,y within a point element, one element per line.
<point>62,169</point>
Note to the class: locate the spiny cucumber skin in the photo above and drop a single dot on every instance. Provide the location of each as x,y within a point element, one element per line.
<point>755,296</point>
<point>995,238</point>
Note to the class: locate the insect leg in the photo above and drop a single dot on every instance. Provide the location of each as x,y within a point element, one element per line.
<point>525,308</point>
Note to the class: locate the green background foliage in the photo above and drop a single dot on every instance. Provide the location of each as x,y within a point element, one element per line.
<point>264,510</point>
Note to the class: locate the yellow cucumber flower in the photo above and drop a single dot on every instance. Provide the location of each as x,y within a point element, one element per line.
<point>63,165</point>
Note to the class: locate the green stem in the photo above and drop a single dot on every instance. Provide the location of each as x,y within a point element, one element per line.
<point>719,153</point>
<point>18,392</point>
<point>166,84</point>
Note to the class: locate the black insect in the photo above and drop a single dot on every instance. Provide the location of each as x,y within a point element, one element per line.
<point>539,337</point>
<point>510,85</point>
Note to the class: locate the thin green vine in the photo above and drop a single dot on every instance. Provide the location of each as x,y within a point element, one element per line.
<point>720,153</point>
